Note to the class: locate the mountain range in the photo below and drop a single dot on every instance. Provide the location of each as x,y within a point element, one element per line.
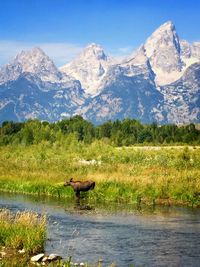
<point>159,82</point>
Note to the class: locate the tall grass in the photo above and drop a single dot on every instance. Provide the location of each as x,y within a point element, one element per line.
<point>131,175</point>
<point>23,230</point>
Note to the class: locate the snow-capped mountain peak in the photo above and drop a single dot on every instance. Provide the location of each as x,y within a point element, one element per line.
<point>90,68</point>
<point>163,50</point>
<point>159,82</point>
<point>94,51</point>
<point>34,61</point>
<point>163,37</point>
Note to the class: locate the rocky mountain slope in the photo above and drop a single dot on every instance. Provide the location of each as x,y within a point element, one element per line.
<point>29,97</point>
<point>159,82</point>
<point>32,87</point>
<point>90,68</point>
<point>182,98</point>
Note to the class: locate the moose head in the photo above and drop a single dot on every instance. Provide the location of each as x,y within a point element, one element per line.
<point>68,183</point>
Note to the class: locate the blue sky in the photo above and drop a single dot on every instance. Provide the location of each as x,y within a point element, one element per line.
<point>63,27</point>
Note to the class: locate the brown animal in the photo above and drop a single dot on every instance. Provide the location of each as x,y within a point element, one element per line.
<point>79,186</point>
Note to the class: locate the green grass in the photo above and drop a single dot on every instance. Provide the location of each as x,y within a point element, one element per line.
<point>163,175</point>
<point>23,230</point>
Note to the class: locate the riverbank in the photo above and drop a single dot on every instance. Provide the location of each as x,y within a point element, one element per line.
<point>150,175</point>
<point>21,235</point>
<point>22,241</point>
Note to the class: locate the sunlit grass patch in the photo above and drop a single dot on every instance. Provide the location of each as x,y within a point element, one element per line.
<point>23,230</point>
<point>133,173</point>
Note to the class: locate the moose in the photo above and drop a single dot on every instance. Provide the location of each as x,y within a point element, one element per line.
<point>79,186</point>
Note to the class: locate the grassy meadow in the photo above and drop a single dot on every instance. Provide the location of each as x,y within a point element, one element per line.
<point>150,175</point>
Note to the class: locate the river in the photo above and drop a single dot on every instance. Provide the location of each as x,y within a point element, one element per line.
<point>164,236</point>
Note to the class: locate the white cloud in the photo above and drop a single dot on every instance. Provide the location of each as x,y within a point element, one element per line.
<point>122,51</point>
<point>9,49</point>
<point>61,53</point>
<point>125,50</point>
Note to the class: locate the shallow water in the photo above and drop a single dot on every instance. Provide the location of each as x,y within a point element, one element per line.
<point>146,237</point>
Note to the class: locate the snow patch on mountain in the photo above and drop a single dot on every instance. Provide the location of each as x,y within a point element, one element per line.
<point>168,55</point>
<point>182,98</point>
<point>90,68</point>
<point>33,61</point>
<point>163,50</point>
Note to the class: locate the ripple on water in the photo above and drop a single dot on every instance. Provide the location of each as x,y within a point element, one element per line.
<point>161,237</point>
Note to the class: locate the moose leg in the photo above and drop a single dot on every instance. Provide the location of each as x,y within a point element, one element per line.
<point>78,194</point>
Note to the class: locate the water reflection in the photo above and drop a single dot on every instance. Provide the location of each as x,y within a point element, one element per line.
<point>82,205</point>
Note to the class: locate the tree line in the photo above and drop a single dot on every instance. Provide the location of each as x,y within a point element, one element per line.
<point>119,133</point>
